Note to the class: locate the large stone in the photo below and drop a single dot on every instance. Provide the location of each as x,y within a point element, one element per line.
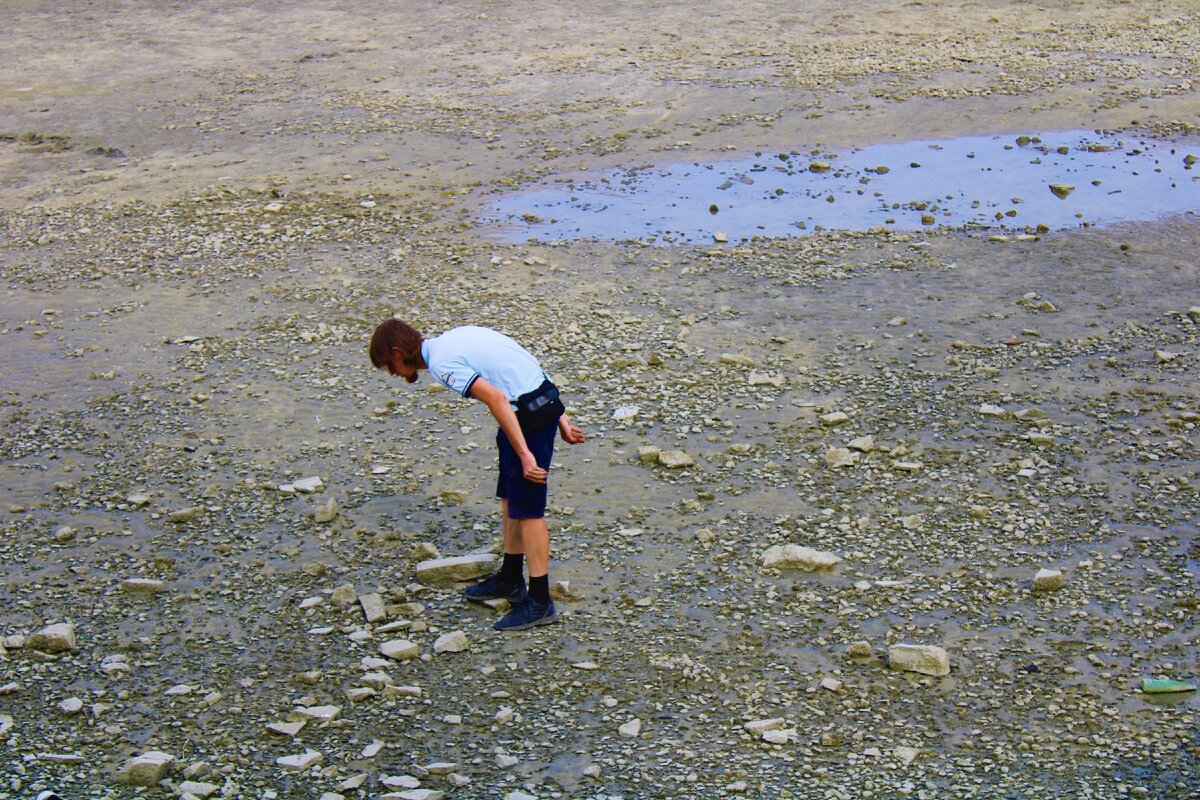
<point>792,556</point>
<point>302,761</point>
<point>57,638</point>
<point>453,642</point>
<point>925,659</point>
<point>837,457</point>
<point>675,459</point>
<point>400,649</point>
<point>372,606</point>
<point>147,769</point>
<point>1048,580</point>
<point>446,571</point>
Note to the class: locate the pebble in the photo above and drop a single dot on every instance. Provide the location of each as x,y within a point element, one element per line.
<point>631,729</point>
<point>71,706</point>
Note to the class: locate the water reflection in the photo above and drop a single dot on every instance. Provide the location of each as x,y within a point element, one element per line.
<point>1061,180</point>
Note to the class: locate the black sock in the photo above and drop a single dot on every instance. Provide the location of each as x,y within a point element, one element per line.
<point>510,571</point>
<point>539,588</point>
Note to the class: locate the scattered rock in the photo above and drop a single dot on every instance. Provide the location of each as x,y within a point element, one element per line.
<point>456,569</point>
<point>147,769</point>
<point>675,459</point>
<point>400,649</point>
<point>791,556</point>
<point>453,642</point>
<point>1048,580</point>
<point>925,659</point>
<point>58,638</point>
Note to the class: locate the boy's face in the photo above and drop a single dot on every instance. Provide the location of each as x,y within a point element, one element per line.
<point>397,366</point>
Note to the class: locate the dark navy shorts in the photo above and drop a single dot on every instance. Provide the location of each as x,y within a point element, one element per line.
<point>526,500</point>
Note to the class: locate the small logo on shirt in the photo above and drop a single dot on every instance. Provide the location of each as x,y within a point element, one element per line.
<point>448,378</point>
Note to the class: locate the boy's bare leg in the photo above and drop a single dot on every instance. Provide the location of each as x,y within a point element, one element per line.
<point>511,532</point>
<point>536,539</point>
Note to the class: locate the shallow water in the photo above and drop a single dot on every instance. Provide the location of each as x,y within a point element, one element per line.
<point>987,181</point>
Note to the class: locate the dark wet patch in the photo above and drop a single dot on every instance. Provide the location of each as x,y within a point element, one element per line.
<point>1055,181</point>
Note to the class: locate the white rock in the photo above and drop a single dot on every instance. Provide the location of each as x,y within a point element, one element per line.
<point>1048,580</point>
<point>505,761</point>
<point>625,413</point>
<point>415,794</point>
<point>767,379</point>
<point>373,749</point>
<point>57,638</point>
<point>834,418</point>
<point>71,706</point>
<point>400,781</point>
<point>199,789</point>
<point>631,729</point>
<point>648,453</point>
<point>316,713</point>
<point>831,684</point>
<point>302,761</point>
<point>308,485</point>
<point>400,649</point>
<point>503,716</point>
<point>372,606</point>
<point>989,410</point>
<point>760,726</point>
<point>925,659</point>
<point>779,735</point>
<point>6,723</point>
<point>447,571</point>
<point>288,729</point>
<point>452,642</point>
<point>906,754</point>
<point>147,769</point>
<point>791,556</point>
<point>863,444</point>
<point>441,767</point>
<point>344,595</point>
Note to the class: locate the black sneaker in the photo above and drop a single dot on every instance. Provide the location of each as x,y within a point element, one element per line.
<point>527,615</point>
<point>494,588</point>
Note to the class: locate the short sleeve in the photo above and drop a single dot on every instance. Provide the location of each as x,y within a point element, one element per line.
<point>456,374</point>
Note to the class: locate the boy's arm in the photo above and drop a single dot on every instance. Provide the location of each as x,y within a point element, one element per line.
<point>502,410</point>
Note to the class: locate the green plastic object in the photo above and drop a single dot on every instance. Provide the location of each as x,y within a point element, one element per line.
<point>1153,686</point>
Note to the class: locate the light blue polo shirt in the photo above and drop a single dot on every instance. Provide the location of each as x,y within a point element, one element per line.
<point>461,355</point>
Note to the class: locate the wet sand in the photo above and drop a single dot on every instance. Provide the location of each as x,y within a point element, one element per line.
<point>207,208</point>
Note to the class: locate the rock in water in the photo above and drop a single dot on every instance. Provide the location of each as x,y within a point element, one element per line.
<point>925,659</point>
<point>445,571</point>
<point>1061,190</point>
<point>675,459</point>
<point>1048,580</point>
<point>791,556</point>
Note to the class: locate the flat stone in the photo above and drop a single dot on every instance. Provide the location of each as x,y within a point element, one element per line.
<point>1048,580</point>
<point>288,729</point>
<point>400,649</point>
<point>400,781</point>
<point>301,761</point>
<point>455,569</point>
<point>441,767</point>
<point>925,659</point>
<point>779,735</point>
<point>767,379</point>
<point>761,726</point>
<point>631,729</point>
<point>147,769</point>
<point>453,642</point>
<point>143,586</point>
<point>835,418</point>
<point>648,454</point>
<point>71,706</point>
<point>831,684</point>
<point>199,789</point>
<point>792,556</point>
<point>372,606</point>
<point>675,459</point>
<point>316,713</point>
<point>989,410</point>
<point>58,638</point>
<point>308,485</point>
<point>863,444</point>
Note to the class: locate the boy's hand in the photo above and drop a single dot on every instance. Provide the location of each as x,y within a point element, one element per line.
<point>570,434</point>
<point>530,469</point>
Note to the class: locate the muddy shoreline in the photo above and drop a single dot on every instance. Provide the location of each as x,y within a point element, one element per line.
<point>207,208</point>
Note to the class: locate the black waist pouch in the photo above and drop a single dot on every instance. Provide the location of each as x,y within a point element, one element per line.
<point>539,408</point>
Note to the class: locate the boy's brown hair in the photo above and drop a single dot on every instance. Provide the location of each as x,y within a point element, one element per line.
<point>391,334</point>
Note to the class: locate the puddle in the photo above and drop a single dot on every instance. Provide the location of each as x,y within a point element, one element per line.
<point>1000,182</point>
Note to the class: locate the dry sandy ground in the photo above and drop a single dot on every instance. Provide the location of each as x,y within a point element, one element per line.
<point>206,208</point>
